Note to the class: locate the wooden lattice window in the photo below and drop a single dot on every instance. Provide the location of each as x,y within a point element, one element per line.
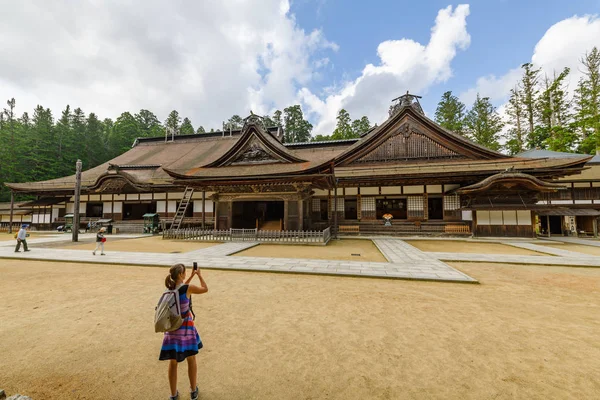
<point>415,207</point>
<point>316,205</point>
<point>452,207</point>
<point>368,207</point>
<point>340,206</point>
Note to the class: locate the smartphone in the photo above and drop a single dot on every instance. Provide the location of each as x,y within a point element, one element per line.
<point>195,266</point>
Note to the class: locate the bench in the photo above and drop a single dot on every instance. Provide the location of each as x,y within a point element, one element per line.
<point>349,228</point>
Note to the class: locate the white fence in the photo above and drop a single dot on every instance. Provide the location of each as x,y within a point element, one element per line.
<point>249,235</point>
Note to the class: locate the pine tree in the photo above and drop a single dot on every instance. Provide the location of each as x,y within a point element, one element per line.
<point>234,123</point>
<point>553,105</point>
<point>360,126</point>
<point>123,134</point>
<point>41,150</point>
<point>173,122</point>
<point>149,124</point>
<point>277,118</point>
<point>343,129</point>
<point>297,129</point>
<point>200,129</point>
<point>529,87</point>
<point>94,146</point>
<point>483,124</point>
<point>587,103</point>
<point>186,127</point>
<point>515,112</point>
<point>450,113</point>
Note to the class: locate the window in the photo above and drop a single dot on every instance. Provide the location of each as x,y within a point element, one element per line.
<point>367,207</point>
<point>415,207</point>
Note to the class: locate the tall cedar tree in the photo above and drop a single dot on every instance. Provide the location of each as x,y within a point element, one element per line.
<point>296,128</point>
<point>343,128</point>
<point>587,103</point>
<point>555,127</point>
<point>483,124</point>
<point>186,127</point>
<point>173,122</point>
<point>450,113</point>
<point>515,112</point>
<point>529,86</point>
<point>360,126</point>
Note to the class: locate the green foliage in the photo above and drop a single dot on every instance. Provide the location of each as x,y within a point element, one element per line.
<point>321,138</point>
<point>483,124</point>
<point>530,90</point>
<point>186,127</point>
<point>296,128</point>
<point>450,113</point>
<point>234,123</point>
<point>554,127</point>
<point>587,103</point>
<point>173,122</point>
<point>343,128</point>
<point>360,126</point>
<point>516,113</point>
<point>277,118</point>
<point>200,129</point>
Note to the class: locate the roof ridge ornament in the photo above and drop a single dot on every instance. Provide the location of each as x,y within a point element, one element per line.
<point>253,119</point>
<point>406,100</point>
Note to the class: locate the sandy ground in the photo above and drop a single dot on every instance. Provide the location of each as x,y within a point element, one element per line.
<point>458,246</point>
<point>156,244</point>
<point>580,248</point>
<point>335,250</point>
<point>83,331</point>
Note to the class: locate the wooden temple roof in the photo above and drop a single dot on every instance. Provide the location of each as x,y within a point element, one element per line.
<point>408,145</point>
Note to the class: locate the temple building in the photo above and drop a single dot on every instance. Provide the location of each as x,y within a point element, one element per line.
<point>428,179</point>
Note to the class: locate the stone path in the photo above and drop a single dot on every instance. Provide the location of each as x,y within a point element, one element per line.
<point>573,240</point>
<point>407,262</point>
<point>546,249</point>
<point>581,261</point>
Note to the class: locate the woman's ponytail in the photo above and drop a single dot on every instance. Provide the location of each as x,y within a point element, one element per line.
<point>174,272</point>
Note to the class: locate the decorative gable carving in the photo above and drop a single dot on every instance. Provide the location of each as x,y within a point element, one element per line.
<point>407,143</point>
<point>254,153</point>
<point>254,147</point>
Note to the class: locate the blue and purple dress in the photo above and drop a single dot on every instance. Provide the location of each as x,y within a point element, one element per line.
<point>185,341</point>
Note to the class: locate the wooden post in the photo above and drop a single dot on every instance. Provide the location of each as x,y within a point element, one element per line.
<point>12,206</point>
<point>335,216</point>
<point>595,224</point>
<point>548,224</point>
<point>75,229</point>
<point>203,208</point>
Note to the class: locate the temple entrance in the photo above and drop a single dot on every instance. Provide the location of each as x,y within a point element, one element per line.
<point>133,211</point>
<point>265,215</point>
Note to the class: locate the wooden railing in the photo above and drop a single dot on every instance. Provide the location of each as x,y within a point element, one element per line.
<point>253,235</point>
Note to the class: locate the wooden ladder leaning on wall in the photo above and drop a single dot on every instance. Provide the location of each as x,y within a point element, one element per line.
<point>183,205</point>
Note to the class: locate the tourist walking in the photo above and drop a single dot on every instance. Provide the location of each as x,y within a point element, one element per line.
<point>100,239</point>
<point>183,343</point>
<point>22,238</point>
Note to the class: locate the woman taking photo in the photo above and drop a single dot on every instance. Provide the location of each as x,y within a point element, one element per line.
<point>184,342</point>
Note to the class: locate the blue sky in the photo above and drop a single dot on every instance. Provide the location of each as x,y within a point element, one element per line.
<point>503,34</point>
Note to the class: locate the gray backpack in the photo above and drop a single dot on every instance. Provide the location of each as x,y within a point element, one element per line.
<point>167,317</point>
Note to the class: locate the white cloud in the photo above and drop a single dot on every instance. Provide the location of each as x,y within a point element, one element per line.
<point>404,65</point>
<point>562,45</point>
<point>208,60</point>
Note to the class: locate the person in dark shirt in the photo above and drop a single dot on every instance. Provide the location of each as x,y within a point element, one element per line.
<point>100,239</point>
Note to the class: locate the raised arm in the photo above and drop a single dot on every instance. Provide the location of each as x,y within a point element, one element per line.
<point>193,289</point>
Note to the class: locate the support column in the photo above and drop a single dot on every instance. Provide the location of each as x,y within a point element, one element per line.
<point>300,215</point>
<point>335,211</point>
<point>548,225</point>
<point>203,208</point>
<point>595,224</point>
<point>75,229</point>
<point>12,206</point>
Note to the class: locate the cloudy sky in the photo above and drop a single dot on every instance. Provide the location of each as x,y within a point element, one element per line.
<point>211,59</point>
